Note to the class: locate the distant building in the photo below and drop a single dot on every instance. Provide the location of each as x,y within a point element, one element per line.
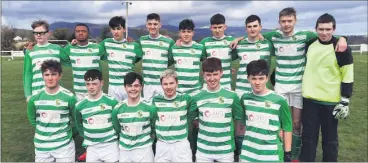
<point>17,38</point>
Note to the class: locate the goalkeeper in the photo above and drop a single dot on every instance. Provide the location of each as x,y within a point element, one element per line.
<point>326,88</point>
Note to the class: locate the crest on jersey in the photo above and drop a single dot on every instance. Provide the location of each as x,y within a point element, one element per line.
<point>225,42</point>
<point>221,100</point>
<point>268,103</point>
<point>294,38</point>
<point>281,49</point>
<point>89,50</point>
<point>124,46</point>
<point>258,45</point>
<point>57,102</point>
<point>102,106</point>
<point>140,114</point>
<point>193,51</point>
<point>160,43</point>
<point>176,104</point>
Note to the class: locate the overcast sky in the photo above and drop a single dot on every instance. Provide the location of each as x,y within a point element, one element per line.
<point>351,16</point>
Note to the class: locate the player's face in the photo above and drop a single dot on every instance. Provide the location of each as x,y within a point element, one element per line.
<point>186,36</point>
<point>218,30</point>
<point>169,85</point>
<point>41,34</point>
<point>258,83</point>
<point>253,29</point>
<point>134,90</point>
<point>94,87</point>
<point>51,78</point>
<point>213,79</point>
<point>153,26</point>
<point>287,23</point>
<point>117,32</point>
<point>81,33</point>
<point>325,31</point>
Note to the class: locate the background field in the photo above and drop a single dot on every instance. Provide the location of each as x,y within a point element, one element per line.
<point>17,133</point>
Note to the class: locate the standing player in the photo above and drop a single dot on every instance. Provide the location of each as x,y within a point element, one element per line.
<point>33,59</point>
<point>155,59</point>
<point>134,121</point>
<point>93,120</point>
<point>266,113</point>
<point>327,87</point>
<point>217,108</point>
<point>171,124</point>
<point>50,111</point>
<point>290,61</point>
<point>82,57</point>
<point>187,58</point>
<point>121,56</point>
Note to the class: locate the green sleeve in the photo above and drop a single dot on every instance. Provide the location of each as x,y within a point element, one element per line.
<point>27,75</point>
<point>153,117</point>
<point>237,109</point>
<point>285,116</point>
<point>204,53</point>
<point>203,42</point>
<point>103,50</point>
<point>64,55</point>
<point>138,52</point>
<point>78,121</point>
<point>311,35</point>
<point>71,106</point>
<point>193,110</point>
<point>115,120</point>
<point>269,35</point>
<point>170,57</point>
<point>31,112</point>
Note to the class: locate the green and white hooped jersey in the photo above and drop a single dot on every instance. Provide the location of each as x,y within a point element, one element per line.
<point>53,113</point>
<point>135,123</point>
<point>187,61</point>
<point>248,51</point>
<point>171,121</point>
<point>155,58</point>
<point>121,57</point>
<point>82,59</point>
<point>220,48</point>
<point>290,59</point>
<point>265,116</point>
<point>95,115</point>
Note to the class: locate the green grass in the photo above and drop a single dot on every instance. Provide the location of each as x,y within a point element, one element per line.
<point>17,134</point>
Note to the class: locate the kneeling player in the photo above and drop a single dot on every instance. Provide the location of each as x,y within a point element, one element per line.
<point>134,121</point>
<point>266,114</point>
<point>50,112</point>
<point>93,116</point>
<point>171,124</point>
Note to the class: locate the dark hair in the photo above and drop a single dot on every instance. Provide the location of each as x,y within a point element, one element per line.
<point>252,18</point>
<point>93,74</point>
<point>117,21</point>
<point>153,16</point>
<point>130,78</point>
<point>52,65</point>
<point>82,24</point>
<point>186,24</point>
<point>39,23</point>
<point>211,65</point>
<point>217,19</point>
<point>258,67</point>
<point>289,11</point>
<point>326,18</point>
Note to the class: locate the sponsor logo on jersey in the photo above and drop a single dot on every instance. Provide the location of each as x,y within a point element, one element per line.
<point>214,113</point>
<point>281,49</point>
<point>180,61</point>
<point>90,120</point>
<point>126,128</point>
<point>98,120</point>
<point>78,61</point>
<point>44,115</point>
<point>112,54</point>
<point>169,118</point>
<point>245,56</point>
<point>213,53</point>
<point>38,63</point>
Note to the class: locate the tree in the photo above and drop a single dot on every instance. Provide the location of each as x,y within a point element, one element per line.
<point>7,36</point>
<point>60,34</point>
<point>105,33</point>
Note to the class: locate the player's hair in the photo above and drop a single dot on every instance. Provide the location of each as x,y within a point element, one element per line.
<point>289,11</point>
<point>217,19</point>
<point>186,24</point>
<point>39,23</point>
<point>252,18</point>
<point>153,16</point>
<point>93,74</point>
<point>169,73</point>
<point>211,65</point>
<point>117,21</point>
<point>326,18</point>
<point>131,77</point>
<point>258,67</point>
<point>52,65</point>
<point>82,24</point>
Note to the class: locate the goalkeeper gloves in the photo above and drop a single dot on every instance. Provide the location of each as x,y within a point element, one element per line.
<point>287,156</point>
<point>341,110</point>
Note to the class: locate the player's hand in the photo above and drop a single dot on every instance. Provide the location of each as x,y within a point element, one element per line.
<point>341,45</point>
<point>341,110</point>
<point>281,134</point>
<point>178,42</point>
<point>233,71</point>
<point>130,39</point>
<point>234,43</point>
<point>287,156</point>
<point>74,42</point>
<point>29,97</point>
<point>261,37</point>
<point>30,45</point>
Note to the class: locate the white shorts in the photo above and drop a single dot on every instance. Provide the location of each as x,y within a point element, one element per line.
<point>150,91</point>
<point>103,152</point>
<point>202,157</point>
<point>294,99</point>
<point>63,154</point>
<point>173,152</point>
<point>118,92</point>
<point>137,155</point>
<point>80,96</point>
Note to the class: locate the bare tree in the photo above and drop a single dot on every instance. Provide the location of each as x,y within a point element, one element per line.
<point>7,36</point>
